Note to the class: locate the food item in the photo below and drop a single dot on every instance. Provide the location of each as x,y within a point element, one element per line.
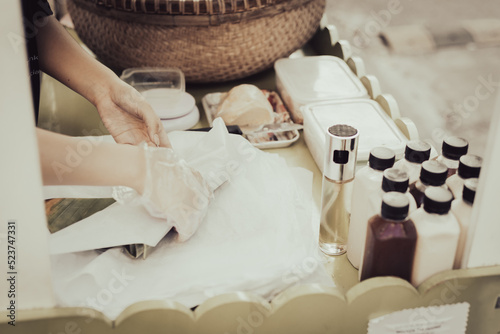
<point>245,105</point>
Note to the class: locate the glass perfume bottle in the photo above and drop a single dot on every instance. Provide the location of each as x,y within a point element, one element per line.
<point>338,176</point>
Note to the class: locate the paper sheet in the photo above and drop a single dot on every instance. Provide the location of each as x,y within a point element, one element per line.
<point>423,320</point>
<point>120,225</point>
<point>114,226</point>
<point>259,227</point>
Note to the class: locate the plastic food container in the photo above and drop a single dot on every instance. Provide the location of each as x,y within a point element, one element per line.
<point>269,140</point>
<point>164,89</point>
<point>302,81</point>
<point>375,127</point>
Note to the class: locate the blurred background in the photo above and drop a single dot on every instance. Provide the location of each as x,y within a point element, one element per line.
<point>447,89</point>
<point>439,59</point>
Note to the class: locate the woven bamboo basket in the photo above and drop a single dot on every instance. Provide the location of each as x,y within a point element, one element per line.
<point>209,40</point>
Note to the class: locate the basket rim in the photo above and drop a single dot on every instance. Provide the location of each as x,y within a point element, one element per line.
<point>188,7</point>
<point>212,15</point>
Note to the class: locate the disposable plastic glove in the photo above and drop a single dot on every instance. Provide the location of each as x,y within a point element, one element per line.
<point>172,190</point>
<point>129,118</point>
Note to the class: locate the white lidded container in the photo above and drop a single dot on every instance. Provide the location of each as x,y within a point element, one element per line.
<point>301,81</point>
<point>438,233</point>
<point>376,128</point>
<point>461,207</point>
<point>165,90</point>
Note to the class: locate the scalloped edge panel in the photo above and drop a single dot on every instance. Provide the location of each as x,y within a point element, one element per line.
<point>299,309</point>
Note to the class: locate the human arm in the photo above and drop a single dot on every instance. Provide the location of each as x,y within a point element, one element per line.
<point>123,110</point>
<point>164,184</point>
<point>74,161</point>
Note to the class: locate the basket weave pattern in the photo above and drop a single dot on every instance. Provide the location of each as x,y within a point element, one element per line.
<point>207,48</point>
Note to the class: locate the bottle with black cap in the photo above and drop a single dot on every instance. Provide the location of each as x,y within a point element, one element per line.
<point>451,151</point>
<point>432,174</point>
<point>438,232</point>
<point>366,185</point>
<point>469,167</point>
<point>390,240</point>
<point>416,152</point>
<point>461,207</point>
<point>338,175</point>
<point>393,180</point>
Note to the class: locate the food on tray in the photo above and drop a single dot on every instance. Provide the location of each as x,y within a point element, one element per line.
<point>245,105</point>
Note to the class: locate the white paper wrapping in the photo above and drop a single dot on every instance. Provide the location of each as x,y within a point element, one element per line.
<point>258,229</point>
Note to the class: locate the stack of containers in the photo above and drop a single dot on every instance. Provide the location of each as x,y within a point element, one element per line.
<point>321,91</point>
<point>441,223</point>
<point>165,90</point>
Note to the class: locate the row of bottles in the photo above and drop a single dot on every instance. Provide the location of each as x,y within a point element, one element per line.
<point>410,218</point>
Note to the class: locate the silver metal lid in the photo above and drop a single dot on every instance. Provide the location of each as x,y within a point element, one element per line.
<point>341,153</point>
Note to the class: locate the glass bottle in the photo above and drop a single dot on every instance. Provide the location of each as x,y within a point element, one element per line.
<point>338,176</point>
<point>468,167</point>
<point>432,174</point>
<point>416,152</point>
<point>438,232</point>
<point>451,151</point>
<point>390,240</point>
<point>461,207</point>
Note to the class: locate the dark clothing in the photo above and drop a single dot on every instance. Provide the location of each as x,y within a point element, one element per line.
<point>34,17</point>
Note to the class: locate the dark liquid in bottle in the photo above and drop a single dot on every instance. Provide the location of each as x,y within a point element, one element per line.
<point>452,171</point>
<point>417,194</point>
<point>390,248</point>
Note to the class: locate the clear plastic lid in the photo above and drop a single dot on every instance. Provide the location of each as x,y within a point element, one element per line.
<point>318,78</point>
<point>145,78</point>
<point>163,88</point>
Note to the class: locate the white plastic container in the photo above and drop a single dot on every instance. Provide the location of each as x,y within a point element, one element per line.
<point>301,81</point>
<point>416,152</point>
<point>376,128</point>
<point>164,89</point>
<point>438,232</point>
<point>469,167</point>
<point>461,207</point>
<point>451,151</point>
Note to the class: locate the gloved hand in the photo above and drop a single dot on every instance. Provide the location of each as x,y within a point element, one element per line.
<point>129,118</point>
<point>172,190</point>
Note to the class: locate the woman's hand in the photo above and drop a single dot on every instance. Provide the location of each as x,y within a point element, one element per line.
<point>170,189</point>
<point>124,112</point>
<point>129,118</point>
